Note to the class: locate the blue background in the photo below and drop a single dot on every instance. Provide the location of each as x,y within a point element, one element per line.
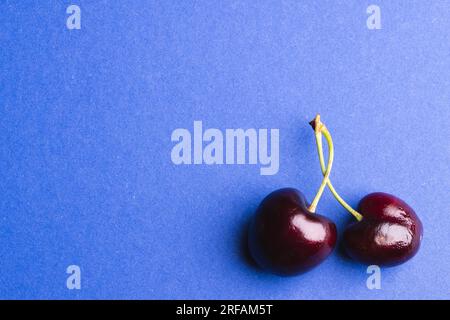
<point>86,118</point>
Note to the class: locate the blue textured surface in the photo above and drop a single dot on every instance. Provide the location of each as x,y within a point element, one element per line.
<point>86,118</point>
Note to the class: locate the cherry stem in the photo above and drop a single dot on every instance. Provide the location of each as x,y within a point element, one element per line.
<point>319,131</point>
<point>318,128</point>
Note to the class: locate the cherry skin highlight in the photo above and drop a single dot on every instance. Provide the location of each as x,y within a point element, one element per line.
<point>285,238</point>
<point>389,233</point>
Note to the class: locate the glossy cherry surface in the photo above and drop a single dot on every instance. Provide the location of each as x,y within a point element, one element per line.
<point>286,238</point>
<point>389,233</point>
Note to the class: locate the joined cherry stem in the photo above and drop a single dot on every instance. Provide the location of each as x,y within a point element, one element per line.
<point>318,128</point>
<point>321,130</point>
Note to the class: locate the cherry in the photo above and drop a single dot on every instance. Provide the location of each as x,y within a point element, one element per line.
<point>388,231</point>
<point>286,236</point>
<point>389,234</point>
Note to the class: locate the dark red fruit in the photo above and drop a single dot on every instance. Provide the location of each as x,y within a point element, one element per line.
<point>286,238</point>
<point>389,233</point>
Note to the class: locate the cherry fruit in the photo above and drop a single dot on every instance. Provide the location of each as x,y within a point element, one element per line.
<point>388,231</point>
<point>389,234</point>
<point>286,238</point>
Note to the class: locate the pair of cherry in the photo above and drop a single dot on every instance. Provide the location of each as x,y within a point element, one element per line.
<point>287,237</point>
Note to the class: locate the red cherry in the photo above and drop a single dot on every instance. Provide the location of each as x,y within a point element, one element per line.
<point>389,233</point>
<point>286,238</point>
